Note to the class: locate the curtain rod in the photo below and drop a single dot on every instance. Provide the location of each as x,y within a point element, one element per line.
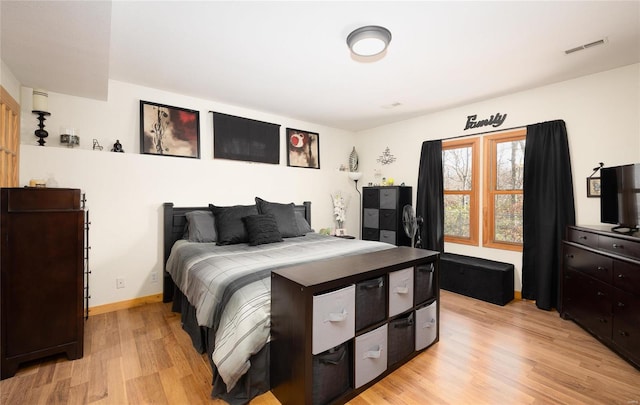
<point>483,133</point>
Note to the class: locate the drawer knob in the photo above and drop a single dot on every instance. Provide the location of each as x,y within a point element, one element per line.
<point>623,333</point>
<point>616,246</point>
<point>583,237</point>
<point>602,320</point>
<point>600,294</point>
<point>600,268</point>
<point>620,275</point>
<point>568,256</point>
<point>621,304</point>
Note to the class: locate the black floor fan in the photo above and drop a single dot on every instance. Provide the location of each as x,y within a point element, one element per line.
<point>412,226</point>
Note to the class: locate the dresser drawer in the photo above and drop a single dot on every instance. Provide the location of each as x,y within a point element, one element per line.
<point>590,263</point>
<point>370,355</point>
<point>582,237</point>
<point>370,218</point>
<point>400,291</point>
<point>626,276</point>
<point>426,325</point>
<point>371,302</point>
<point>424,283</point>
<point>620,247</point>
<point>388,198</point>
<point>333,318</point>
<point>626,322</point>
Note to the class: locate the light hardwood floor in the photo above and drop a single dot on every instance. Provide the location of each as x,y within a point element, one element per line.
<point>487,354</point>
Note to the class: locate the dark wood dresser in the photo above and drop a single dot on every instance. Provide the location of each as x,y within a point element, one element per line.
<point>601,287</point>
<point>42,269</point>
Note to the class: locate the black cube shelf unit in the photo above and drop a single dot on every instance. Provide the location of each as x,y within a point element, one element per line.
<point>382,214</point>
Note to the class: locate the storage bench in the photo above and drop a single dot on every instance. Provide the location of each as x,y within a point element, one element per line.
<point>486,280</point>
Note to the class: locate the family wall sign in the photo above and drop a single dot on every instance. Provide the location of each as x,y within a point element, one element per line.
<point>495,121</point>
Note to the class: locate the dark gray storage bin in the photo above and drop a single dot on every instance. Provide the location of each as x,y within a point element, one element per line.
<point>401,341</point>
<point>371,302</point>
<point>424,289</point>
<point>331,374</point>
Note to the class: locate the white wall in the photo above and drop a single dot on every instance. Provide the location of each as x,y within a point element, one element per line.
<point>9,81</point>
<point>601,112</point>
<point>125,191</point>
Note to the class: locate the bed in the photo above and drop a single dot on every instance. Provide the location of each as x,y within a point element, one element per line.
<point>221,287</point>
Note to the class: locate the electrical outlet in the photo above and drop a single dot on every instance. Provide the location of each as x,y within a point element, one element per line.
<point>120,282</point>
<point>154,276</point>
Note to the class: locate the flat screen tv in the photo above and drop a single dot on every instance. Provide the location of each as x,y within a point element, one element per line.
<point>620,197</point>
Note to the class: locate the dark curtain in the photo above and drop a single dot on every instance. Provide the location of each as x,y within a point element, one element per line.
<point>548,208</point>
<point>430,196</point>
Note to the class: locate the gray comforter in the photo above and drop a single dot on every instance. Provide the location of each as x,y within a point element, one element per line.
<point>230,288</point>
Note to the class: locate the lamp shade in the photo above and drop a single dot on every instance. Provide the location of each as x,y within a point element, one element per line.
<point>355,176</point>
<point>370,40</point>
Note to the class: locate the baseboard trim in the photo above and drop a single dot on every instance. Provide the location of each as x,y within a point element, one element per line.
<point>116,306</point>
<point>517,295</point>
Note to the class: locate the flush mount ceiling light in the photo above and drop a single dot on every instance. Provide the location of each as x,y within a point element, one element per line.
<point>370,40</point>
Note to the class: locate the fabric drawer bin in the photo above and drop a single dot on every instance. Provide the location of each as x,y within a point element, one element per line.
<point>370,355</point>
<point>333,318</point>
<point>370,218</point>
<point>370,234</point>
<point>424,288</point>
<point>371,302</point>
<point>400,291</point>
<point>370,198</point>
<point>331,374</point>
<point>401,338</point>
<point>388,237</point>
<point>426,325</point>
<point>388,219</point>
<point>388,198</point>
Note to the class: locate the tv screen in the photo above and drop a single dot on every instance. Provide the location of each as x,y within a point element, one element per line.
<point>620,195</point>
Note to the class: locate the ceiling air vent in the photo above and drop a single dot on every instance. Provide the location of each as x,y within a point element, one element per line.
<point>585,46</point>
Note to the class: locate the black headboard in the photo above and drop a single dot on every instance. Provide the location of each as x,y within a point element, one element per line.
<point>174,220</point>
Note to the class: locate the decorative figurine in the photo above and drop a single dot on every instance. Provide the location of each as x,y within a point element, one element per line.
<point>97,146</point>
<point>117,147</point>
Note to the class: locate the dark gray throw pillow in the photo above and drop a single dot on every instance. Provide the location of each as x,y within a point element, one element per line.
<point>303,225</point>
<point>284,215</point>
<point>229,224</point>
<point>262,228</point>
<point>201,226</point>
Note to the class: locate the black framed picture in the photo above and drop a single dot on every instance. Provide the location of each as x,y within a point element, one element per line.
<point>303,149</point>
<point>246,139</point>
<point>169,131</point>
<point>593,187</point>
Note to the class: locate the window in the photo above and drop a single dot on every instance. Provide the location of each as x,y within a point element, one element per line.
<point>460,169</point>
<point>502,197</point>
<point>502,200</point>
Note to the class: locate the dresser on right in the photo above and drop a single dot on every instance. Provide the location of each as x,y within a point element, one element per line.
<point>600,288</point>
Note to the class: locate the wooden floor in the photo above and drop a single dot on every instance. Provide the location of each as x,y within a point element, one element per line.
<point>487,354</point>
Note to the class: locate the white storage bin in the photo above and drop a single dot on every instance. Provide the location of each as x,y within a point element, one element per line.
<point>370,355</point>
<point>426,325</point>
<point>400,291</point>
<point>334,319</point>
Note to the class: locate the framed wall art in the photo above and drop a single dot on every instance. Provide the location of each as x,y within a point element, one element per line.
<point>303,149</point>
<point>169,131</point>
<point>593,187</point>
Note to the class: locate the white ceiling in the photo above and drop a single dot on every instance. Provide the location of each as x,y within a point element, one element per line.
<point>291,58</point>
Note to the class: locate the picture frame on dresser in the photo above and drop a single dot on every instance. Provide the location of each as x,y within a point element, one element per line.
<point>303,149</point>
<point>593,187</point>
<point>169,131</point>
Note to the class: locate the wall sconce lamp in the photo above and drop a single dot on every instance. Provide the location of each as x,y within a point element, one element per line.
<point>40,107</point>
<point>370,40</point>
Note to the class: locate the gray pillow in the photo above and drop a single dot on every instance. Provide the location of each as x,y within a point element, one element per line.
<point>284,214</point>
<point>229,224</point>
<point>262,229</point>
<point>201,226</point>
<point>303,225</point>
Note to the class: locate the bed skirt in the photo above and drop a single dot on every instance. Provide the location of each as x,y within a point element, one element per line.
<point>250,385</point>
